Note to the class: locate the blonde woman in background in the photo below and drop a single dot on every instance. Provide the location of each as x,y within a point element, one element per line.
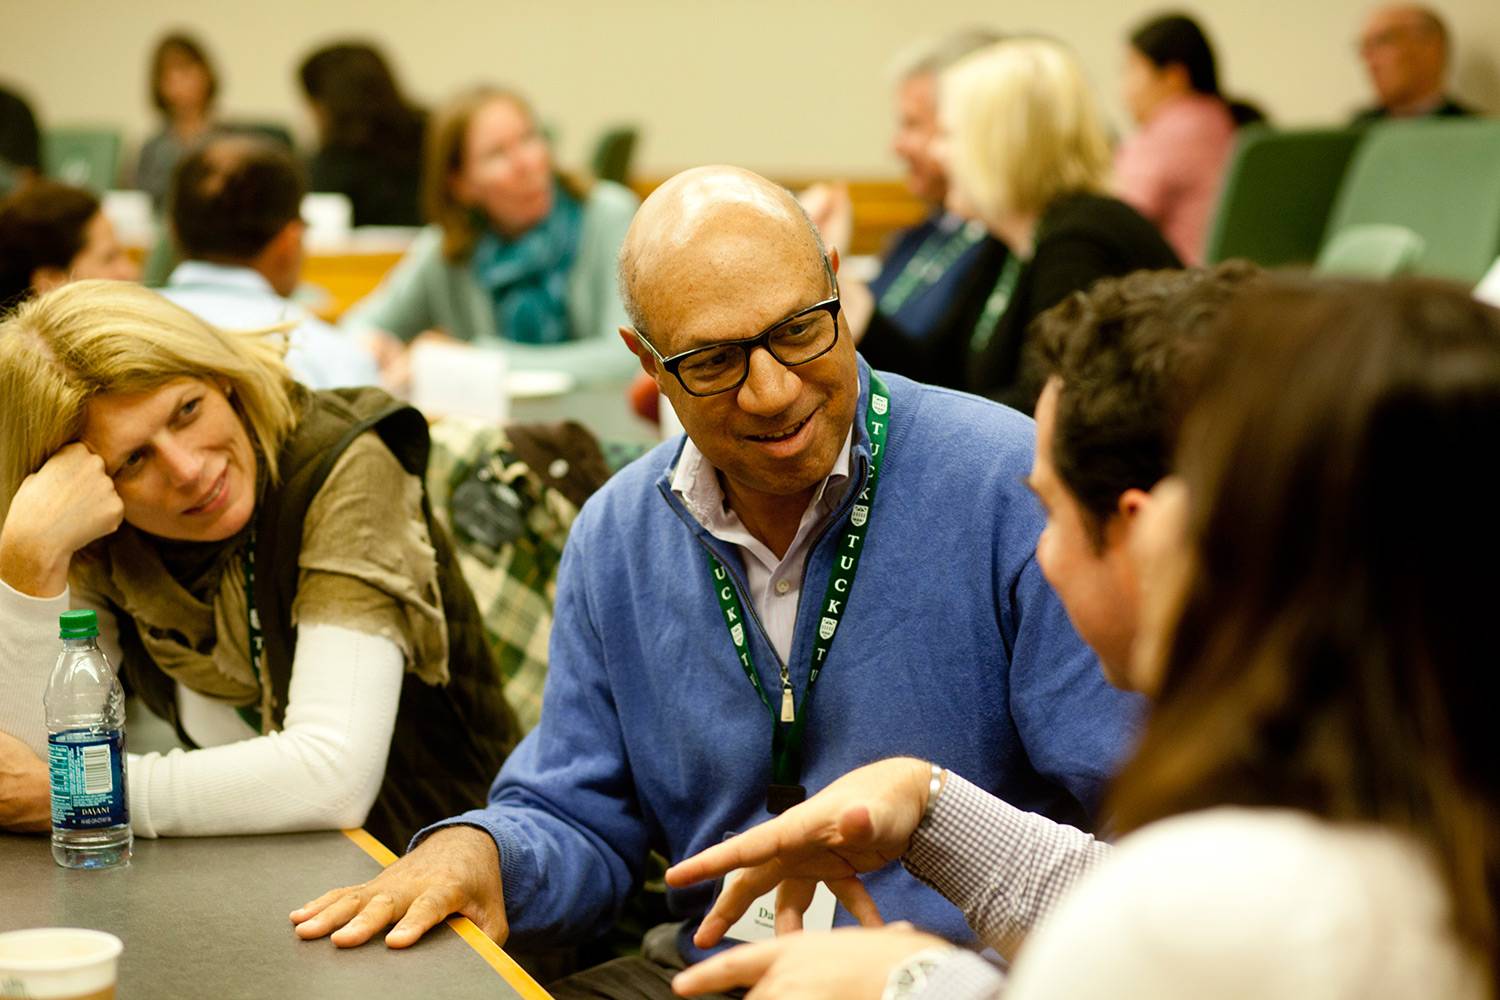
<point>1027,154</point>
<point>266,572</point>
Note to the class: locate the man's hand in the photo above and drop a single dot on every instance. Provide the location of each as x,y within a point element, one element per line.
<point>25,792</point>
<point>847,964</point>
<point>63,506</point>
<point>456,870</point>
<point>860,823</point>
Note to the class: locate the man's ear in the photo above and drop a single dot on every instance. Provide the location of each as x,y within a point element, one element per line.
<point>642,354</point>
<point>1127,514</point>
<point>833,259</point>
<point>44,279</point>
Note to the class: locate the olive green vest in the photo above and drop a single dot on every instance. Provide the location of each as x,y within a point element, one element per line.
<point>449,741</point>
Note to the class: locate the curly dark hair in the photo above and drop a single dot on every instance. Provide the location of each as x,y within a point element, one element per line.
<point>1124,352</point>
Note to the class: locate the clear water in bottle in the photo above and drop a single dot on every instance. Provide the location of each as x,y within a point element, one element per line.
<point>86,751</point>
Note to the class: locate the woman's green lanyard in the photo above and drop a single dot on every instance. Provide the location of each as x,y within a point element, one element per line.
<point>251,713</point>
<point>996,304</point>
<point>785,789</point>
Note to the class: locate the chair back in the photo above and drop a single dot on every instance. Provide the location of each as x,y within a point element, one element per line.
<point>1277,193</point>
<point>613,153</point>
<point>1438,178</point>
<point>1371,251</point>
<point>84,157</point>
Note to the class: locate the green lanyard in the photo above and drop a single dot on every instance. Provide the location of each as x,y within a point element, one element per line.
<point>787,726</point>
<point>996,304</point>
<point>251,713</point>
<point>938,252</point>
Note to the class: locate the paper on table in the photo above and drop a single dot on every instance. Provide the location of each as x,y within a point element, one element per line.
<point>459,381</point>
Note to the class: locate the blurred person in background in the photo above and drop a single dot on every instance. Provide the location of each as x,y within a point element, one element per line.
<point>183,88</point>
<point>20,142</point>
<point>51,234</point>
<point>1171,168</point>
<point>234,214</point>
<point>370,135</point>
<point>519,257</point>
<point>933,272</point>
<point>1405,50</point>
<point>1027,154</point>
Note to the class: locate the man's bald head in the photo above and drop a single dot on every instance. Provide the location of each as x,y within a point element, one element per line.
<point>703,226</point>
<point>1405,50</point>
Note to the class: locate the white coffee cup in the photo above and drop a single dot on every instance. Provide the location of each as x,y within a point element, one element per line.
<point>59,963</point>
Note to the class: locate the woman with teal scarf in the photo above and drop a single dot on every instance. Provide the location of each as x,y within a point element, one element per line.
<point>518,257</point>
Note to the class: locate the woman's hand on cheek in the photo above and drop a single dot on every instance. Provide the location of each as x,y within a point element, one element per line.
<point>62,507</point>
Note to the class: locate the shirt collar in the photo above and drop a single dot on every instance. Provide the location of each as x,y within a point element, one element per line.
<point>202,272</point>
<point>695,481</point>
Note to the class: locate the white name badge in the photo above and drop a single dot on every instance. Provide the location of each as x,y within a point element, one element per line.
<point>759,921</point>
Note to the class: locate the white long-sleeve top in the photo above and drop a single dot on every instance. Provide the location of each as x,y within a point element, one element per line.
<point>321,771</point>
<point>1229,903</point>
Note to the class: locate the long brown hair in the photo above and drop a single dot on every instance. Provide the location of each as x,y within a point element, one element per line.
<point>444,154</point>
<point>1335,650</point>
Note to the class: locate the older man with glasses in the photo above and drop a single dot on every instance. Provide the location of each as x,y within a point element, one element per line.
<point>831,567</point>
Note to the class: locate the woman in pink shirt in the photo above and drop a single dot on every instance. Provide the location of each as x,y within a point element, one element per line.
<point>1170,169</point>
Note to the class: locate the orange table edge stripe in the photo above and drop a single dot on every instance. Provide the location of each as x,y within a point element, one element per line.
<point>518,978</point>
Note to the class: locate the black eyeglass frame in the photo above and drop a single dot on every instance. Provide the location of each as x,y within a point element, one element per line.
<point>831,305</point>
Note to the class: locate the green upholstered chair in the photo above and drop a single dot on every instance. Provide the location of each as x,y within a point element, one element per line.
<point>1441,180</point>
<point>1277,193</point>
<point>1375,250</point>
<point>83,157</point>
<point>613,153</point>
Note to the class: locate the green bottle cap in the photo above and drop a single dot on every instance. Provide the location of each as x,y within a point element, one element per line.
<point>78,624</point>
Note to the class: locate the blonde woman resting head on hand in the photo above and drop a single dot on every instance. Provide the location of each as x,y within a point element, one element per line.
<point>267,574</point>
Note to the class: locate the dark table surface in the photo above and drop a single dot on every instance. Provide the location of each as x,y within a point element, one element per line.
<point>207,918</point>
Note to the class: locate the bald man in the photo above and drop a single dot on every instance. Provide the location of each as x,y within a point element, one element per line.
<point>1405,50</point>
<point>832,566</point>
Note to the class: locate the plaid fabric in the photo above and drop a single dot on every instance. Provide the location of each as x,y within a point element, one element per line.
<point>515,587</point>
<point>1003,867</point>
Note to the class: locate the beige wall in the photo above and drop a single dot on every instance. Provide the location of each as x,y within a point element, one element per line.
<point>785,87</point>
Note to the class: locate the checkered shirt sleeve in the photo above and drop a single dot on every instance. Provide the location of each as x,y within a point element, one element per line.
<point>1004,868</point>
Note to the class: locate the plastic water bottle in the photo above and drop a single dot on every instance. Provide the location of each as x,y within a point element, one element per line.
<point>86,751</point>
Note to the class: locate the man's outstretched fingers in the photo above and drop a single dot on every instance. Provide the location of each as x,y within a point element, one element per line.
<point>793,897</point>
<point>429,910</point>
<point>326,915</point>
<point>375,917</point>
<point>851,892</point>
<point>742,966</point>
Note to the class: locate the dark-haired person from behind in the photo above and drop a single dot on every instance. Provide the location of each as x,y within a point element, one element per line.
<point>20,142</point>
<point>370,134</point>
<point>183,89</point>
<point>235,217</point>
<point>1171,168</point>
<point>51,234</point>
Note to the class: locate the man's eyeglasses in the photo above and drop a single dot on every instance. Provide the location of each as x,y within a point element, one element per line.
<point>802,337</point>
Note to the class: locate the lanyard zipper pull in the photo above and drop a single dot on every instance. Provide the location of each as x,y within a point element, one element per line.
<point>788,712</point>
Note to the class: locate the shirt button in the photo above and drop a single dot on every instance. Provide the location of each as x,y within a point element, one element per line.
<point>782,586</point>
